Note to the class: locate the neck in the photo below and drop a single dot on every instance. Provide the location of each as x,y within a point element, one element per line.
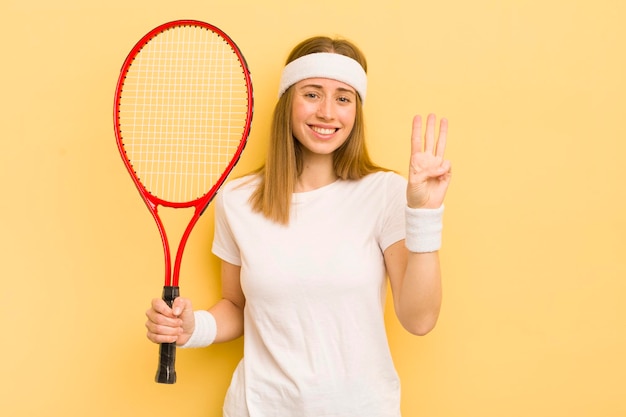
<point>317,172</point>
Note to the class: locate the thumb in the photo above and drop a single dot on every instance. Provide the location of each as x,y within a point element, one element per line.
<point>181,306</point>
<point>445,168</point>
<point>183,309</point>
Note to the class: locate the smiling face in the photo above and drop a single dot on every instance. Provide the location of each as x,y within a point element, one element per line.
<point>323,114</point>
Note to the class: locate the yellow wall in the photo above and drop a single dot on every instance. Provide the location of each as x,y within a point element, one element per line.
<point>534,251</point>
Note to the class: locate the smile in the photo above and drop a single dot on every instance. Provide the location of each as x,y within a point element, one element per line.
<point>322,130</point>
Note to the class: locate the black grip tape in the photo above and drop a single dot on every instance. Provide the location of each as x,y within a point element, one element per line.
<point>166,374</point>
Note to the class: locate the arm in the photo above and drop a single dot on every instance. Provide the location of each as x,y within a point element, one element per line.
<point>177,324</point>
<point>415,280</point>
<point>415,277</point>
<point>228,312</point>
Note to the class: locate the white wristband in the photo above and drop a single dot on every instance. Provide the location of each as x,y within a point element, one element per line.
<point>205,331</point>
<point>423,229</point>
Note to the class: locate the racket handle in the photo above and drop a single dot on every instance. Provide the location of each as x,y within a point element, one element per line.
<point>166,374</point>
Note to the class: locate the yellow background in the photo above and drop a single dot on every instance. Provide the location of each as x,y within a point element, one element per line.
<point>534,242</point>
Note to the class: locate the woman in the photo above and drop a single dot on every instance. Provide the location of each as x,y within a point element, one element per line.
<point>306,244</point>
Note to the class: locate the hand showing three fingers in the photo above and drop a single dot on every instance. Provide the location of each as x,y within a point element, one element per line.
<point>429,172</point>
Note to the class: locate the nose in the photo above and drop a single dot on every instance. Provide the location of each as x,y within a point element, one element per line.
<point>324,109</point>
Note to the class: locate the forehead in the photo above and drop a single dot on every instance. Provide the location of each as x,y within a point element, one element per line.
<point>325,84</point>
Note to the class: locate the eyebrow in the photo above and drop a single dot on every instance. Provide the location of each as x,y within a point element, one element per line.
<point>319,87</point>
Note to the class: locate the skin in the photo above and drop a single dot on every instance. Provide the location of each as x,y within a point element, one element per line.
<point>322,117</point>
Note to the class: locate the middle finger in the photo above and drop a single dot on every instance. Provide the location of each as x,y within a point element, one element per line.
<point>429,136</point>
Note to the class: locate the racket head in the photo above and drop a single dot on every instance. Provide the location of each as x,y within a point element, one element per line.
<point>183,111</point>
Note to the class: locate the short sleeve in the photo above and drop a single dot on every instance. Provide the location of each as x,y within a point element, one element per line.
<point>393,228</point>
<point>224,244</point>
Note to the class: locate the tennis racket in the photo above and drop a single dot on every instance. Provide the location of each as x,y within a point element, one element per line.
<point>183,109</point>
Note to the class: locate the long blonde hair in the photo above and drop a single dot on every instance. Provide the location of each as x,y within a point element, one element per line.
<point>283,165</point>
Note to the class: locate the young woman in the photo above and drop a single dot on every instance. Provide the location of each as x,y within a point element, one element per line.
<point>307,243</point>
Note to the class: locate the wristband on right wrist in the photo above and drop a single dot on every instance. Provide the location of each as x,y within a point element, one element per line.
<point>204,332</point>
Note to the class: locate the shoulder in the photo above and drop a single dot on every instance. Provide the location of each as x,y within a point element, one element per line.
<point>388,187</point>
<point>386,179</point>
<point>237,191</point>
<point>245,184</point>
<point>377,188</point>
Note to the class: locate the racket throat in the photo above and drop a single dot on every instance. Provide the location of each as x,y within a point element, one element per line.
<point>170,293</point>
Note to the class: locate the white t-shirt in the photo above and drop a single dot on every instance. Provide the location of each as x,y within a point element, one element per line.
<point>315,341</point>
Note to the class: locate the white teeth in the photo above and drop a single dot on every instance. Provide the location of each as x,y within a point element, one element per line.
<point>323,131</point>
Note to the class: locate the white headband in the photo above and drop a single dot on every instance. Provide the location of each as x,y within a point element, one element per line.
<point>325,65</point>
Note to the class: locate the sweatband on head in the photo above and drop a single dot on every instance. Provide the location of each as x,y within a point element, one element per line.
<point>325,65</point>
<point>423,229</point>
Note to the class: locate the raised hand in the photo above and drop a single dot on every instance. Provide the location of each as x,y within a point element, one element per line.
<point>429,173</point>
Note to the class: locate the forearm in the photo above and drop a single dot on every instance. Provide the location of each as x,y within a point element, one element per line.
<point>420,294</point>
<point>418,300</point>
<point>224,321</point>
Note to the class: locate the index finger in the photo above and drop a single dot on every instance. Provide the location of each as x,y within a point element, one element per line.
<point>160,306</point>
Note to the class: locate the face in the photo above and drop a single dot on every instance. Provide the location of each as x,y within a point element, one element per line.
<point>323,114</point>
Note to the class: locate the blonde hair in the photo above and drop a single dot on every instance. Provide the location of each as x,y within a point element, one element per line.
<point>283,165</point>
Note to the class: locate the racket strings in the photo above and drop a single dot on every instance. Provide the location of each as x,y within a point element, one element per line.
<point>183,111</point>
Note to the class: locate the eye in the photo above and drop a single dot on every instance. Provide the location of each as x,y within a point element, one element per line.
<point>344,99</point>
<point>311,95</point>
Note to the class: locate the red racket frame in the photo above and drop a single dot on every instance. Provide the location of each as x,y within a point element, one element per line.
<point>166,372</point>
<point>152,201</point>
